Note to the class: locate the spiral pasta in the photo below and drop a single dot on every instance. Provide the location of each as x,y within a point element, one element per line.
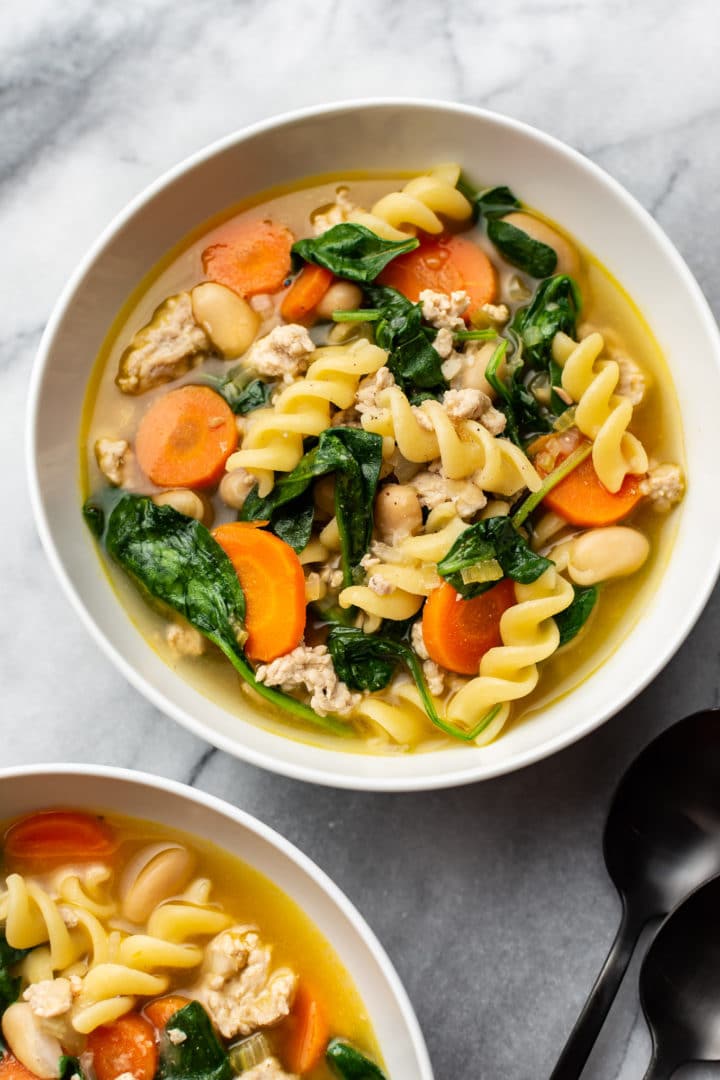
<point>509,671</point>
<point>418,205</point>
<point>465,448</point>
<point>274,438</point>
<point>601,414</point>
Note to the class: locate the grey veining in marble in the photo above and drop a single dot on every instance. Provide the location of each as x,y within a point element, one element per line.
<point>492,899</point>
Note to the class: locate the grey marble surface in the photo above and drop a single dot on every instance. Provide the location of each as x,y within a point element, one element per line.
<point>492,899</point>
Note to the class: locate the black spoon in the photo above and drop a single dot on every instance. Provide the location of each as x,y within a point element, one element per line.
<point>680,984</point>
<point>662,840</point>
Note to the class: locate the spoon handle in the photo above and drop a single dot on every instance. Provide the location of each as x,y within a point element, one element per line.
<point>587,1026</point>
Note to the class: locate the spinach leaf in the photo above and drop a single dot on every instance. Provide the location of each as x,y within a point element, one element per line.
<point>554,307</point>
<point>496,202</point>
<point>416,365</point>
<point>494,538</point>
<point>355,456</point>
<point>94,517</point>
<point>571,621</point>
<point>200,1056</point>
<point>242,393</point>
<point>352,251</point>
<point>535,258</point>
<point>176,560</point>
<point>69,1067</point>
<point>349,1064</point>
<point>9,984</point>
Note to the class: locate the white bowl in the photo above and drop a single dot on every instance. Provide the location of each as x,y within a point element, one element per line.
<point>137,794</point>
<point>383,135</point>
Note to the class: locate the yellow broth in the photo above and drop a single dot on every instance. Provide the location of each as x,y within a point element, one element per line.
<point>250,899</point>
<point>606,307</point>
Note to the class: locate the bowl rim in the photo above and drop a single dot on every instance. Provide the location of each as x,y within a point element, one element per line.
<point>475,770</point>
<point>306,866</point>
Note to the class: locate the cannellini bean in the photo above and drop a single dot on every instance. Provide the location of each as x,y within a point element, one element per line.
<point>184,501</point>
<point>235,487</point>
<point>472,375</point>
<point>227,319</point>
<point>600,554</point>
<point>568,261</point>
<point>32,1046</point>
<point>155,873</point>
<point>397,512</point>
<point>342,296</point>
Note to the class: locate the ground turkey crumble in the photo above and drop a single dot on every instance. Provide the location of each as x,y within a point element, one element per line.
<point>434,488</point>
<point>269,1069</point>
<point>366,397</point>
<point>633,381</point>
<point>472,404</point>
<point>434,674</point>
<point>664,487</point>
<point>237,986</point>
<point>335,214</point>
<point>185,640</point>
<point>170,344</point>
<point>283,353</point>
<point>113,458</point>
<point>311,667</point>
<point>444,311</point>
<point>50,997</point>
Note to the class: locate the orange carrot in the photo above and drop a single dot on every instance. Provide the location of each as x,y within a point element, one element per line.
<point>59,835</point>
<point>274,586</point>
<point>11,1069</point>
<point>185,438</point>
<point>125,1046</point>
<point>305,293</point>
<point>253,257</point>
<point>581,498</point>
<point>459,632</point>
<point>445,265</point>
<point>159,1011</point>
<point>307,1032</point>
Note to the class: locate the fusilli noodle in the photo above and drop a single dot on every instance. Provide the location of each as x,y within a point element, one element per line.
<point>418,205</point>
<point>601,414</point>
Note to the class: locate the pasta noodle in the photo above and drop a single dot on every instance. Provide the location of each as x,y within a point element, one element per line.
<point>509,671</point>
<point>601,414</point>
<point>274,438</point>
<point>418,205</point>
<point>465,448</point>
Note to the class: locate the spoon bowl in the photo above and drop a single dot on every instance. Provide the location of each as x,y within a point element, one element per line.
<point>661,841</point>
<point>680,984</point>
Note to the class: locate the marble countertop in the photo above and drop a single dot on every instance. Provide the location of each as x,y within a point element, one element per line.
<point>491,899</point>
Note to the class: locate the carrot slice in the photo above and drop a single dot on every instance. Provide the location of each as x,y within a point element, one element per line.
<point>274,585</point>
<point>581,498</point>
<point>125,1046</point>
<point>160,1010</point>
<point>253,257</point>
<point>305,293</point>
<point>444,265</point>
<point>307,1032</point>
<point>459,632</point>
<point>11,1069</point>
<point>185,438</point>
<point>59,835</point>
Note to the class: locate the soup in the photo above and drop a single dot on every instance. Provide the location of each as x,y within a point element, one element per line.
<point>402,474</point>
<point>128,950</point>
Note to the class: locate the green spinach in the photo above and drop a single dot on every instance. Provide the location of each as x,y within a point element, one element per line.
<point>554,307</point>
<point>9,983</point>
<point>415,363</point>
<point>522,250</point>
<point>70,1067</point>
<point>355,456</point>
<point>349,1064</point>
<point>244,399</point>
<point>571,621</point>
<point>200,1056</point>
<point>352,251</point>
<point>496,539</point>
<point>175,560</point>
<point>525,416</point>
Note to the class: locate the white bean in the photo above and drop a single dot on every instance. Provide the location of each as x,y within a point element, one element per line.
<point>34,1048</point>
<point>342,296</point>
<point>568,260</point>
<point>397,512</point>
<point>235,487</point>
<point>165,872</point>
<point>601,554</point>
<point>184,501</point>
<point>227,319</point>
